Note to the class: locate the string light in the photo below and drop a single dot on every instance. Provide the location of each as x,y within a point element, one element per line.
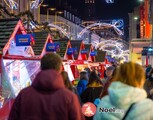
<point>109,1</point>
<point>36,4</point>
<point>60,29</point>
<point>113,47</point>
<point>11,4</point>
<point>116,24</point>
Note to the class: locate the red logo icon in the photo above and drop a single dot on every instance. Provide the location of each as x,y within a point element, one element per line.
<point>88,109</point>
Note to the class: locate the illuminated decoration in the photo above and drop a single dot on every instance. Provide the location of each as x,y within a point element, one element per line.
<point>109,1</point>
<point>11,4</point>
<point>145,27</point>
<point>115,48</point>
<point>116,24</point>
<point>30,25</point>
<point>36,4</point>
<point>60,29</point>
<point>33,25</point>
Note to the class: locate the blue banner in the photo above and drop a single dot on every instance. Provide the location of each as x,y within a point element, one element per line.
<point>75,50</point>
<point>50,47</point>
<point>23,40</point>
<point>84,51</point>
<point>69,51</point>
<point>94,53</point>
<point>57,46</point>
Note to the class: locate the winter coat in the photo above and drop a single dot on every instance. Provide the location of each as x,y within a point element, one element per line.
<point>82,85</point>
<point>91,93</point>
<point>120,98</point>
<point>106,86</point>
<point>148,86</point>
<point>46,99</point>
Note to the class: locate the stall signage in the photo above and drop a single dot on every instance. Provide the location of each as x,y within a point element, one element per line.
<point>50,47</point>
<point>69,51</point>
<point>84,51</point>
<point>23,40</point>
<point>94,53</point>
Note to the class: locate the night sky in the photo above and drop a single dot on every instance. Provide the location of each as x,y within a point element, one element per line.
<point>118,9</point>
<point>104,11</point>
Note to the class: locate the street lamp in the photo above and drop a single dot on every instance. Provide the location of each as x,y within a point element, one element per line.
<point>43,5</point>
<point>135,18</point>
<point>141,0</point>
<point>56,13</point>
<point>50,9</point>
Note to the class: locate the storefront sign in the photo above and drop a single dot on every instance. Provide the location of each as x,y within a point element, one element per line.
<point>94,53</point>
<point>84,51</point>
<point>69,51</point>
<point>23,40</point>
<point>50,47</point>
<point>142,21</point>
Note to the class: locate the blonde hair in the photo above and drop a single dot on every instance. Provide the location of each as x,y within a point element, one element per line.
<point>131,74</point>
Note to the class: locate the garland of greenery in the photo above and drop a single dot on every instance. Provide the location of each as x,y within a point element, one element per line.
<point>21,14</point>
<point>30,17</point>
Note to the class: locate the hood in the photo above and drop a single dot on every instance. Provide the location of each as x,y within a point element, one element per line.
<point>122,95</point>
<point>47,80</point>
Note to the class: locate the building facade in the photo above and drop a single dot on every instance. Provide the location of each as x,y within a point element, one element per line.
<point>89,10</point>
<point>140,31</point>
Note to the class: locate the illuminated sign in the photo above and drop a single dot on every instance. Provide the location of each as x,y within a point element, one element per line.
<point>84,51</point>
<point>23,40</point>
<point>147,51</point>
<point>70,51</point>
<point>109,1</point>
<point>94,53</point>
<point>142,29</point>
<point>57,46</point>
<point>50,47</point>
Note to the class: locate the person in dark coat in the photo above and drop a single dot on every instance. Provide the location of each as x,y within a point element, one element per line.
<point>47,98</point>
<point>93,90</point>
<point>148,69</point>
<point>110,75</point>
<point>148,86</point>
<point>109,81</point>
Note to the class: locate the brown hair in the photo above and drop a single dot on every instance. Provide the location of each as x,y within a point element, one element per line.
<point>66,80</point>
<point>94,78</point>
<point>83,75</point>
<point>150,72</point>
<point>51,61</point>
<point>131,74</point>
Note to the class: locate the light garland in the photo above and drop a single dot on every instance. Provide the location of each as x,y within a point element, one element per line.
<point>11,4</point>
<point>60,29</point>
<point>109,1</point>
<point>116,24</point>
<point>36,4</point>
<point>115,46</point>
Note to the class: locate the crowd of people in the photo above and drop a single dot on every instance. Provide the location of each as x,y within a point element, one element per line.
<point>53,97</point>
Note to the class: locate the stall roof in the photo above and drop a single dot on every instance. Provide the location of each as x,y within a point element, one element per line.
<point>76,44</point>
<point>40,39</point>
<point>6,29</point>
<point>63,46</point>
